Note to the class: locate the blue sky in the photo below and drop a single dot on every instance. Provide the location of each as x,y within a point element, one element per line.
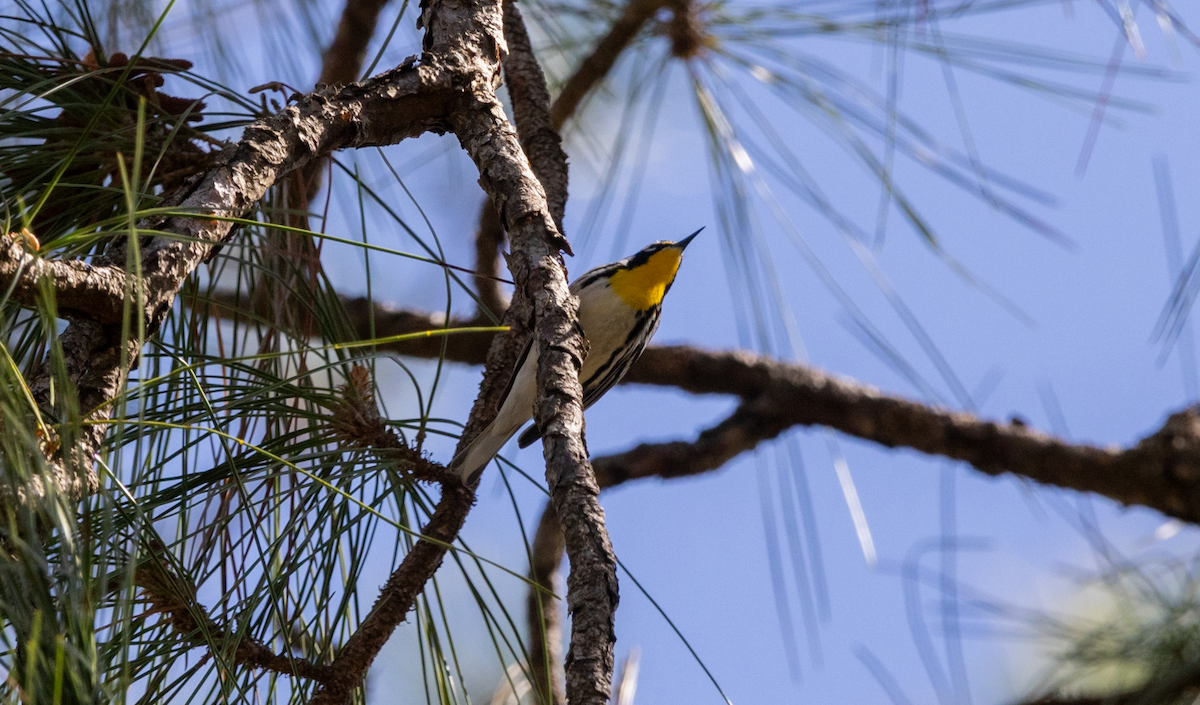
<point>699,545</point>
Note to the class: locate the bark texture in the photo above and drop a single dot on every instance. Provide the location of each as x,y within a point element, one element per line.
<point>591,588</point>
<point>80,288</point>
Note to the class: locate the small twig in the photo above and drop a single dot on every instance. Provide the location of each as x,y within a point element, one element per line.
<point>188,617</point>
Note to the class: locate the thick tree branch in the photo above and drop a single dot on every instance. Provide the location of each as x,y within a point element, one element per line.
<point>79,288</point>
<point>1180,687</point>
<point>542,145</point>
<point>592,584</point>
<point>469,37</point>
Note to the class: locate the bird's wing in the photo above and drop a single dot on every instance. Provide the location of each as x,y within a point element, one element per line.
<point>516,369</point>
<point>611,372</point>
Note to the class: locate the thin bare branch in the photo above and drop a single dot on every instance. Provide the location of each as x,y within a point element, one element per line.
<point>748,426</point>
<point>599,62</point>
<point>542,145</point>
<point>177,603</point>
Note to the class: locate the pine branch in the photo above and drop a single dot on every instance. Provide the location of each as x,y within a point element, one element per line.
<point>177,603</point>
<point>78,288</point>
<point>591,72</point>
<point>1161,472</point>
<point>538,272</point>
<point>401,103</point>
<point>596,65</point>
<point>531,113</point>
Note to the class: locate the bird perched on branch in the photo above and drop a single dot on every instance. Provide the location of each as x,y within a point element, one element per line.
<point>619,307</point>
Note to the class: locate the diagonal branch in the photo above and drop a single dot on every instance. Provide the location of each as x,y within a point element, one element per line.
<point>401,103</point>
<point>596,65</point>
<point>538,272</point>
<point>542,145</point>
<point>531,113</point>
<point>188,617</point>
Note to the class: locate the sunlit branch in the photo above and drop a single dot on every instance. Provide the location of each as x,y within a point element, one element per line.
<point>542,145</point>
<point>592,70</point>
<point>538,272</point>
<point>531,113</point>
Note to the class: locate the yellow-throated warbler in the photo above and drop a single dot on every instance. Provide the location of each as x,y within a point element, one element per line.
<point>619,306</point>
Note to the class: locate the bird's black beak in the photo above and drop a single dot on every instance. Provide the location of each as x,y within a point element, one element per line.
<point>684,242</point>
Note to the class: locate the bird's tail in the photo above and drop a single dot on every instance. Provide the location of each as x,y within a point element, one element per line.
<point>469,463</point>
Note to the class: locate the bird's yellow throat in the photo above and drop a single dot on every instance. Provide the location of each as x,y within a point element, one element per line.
<point>645,285</point>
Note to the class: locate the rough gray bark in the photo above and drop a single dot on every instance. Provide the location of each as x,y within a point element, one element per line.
<point>591,587</point>
<point>531,113</point>
<point>80,288</point>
